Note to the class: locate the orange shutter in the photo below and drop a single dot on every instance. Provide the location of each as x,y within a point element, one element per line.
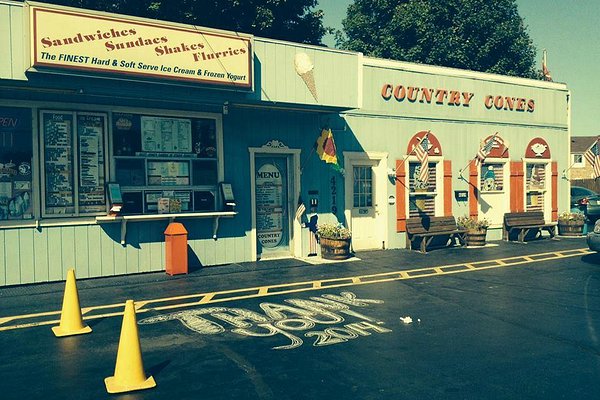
<point>516,186</point>
<point>400,196</point>
<point>447,188</point>
<point>473,190</point>
<point>554,200</point>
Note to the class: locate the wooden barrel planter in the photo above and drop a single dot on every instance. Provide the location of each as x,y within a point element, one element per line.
<point>476,238</point>
<point>570,228</point>
<point>335,249</point>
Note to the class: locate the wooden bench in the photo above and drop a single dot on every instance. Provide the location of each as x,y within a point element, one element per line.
<point>526,226</point>
<point>432,232</point>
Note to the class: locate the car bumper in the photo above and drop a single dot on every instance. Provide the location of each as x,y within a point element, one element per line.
<point>593,210</point>
<point>593,241</point>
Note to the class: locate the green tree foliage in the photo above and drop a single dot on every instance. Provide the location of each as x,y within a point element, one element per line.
<point>294,20</point>
<point>480,35</point>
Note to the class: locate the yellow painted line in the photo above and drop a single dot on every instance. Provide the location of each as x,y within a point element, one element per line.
<point>206,299</point>
<point>294,287</point>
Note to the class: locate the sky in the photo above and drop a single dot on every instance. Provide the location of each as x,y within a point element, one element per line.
<point>569,30</point>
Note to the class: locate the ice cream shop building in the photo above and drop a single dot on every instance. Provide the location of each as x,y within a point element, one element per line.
<point>112,126</point>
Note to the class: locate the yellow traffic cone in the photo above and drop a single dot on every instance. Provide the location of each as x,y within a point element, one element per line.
<point>71,321</point>
<point>129,369</point>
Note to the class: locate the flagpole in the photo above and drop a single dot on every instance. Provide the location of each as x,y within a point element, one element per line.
<point>303,164</point>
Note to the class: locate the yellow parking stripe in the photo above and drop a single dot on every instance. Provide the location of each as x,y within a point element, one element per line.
<point>294,287</point>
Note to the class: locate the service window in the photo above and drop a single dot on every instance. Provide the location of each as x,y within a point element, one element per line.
<point>167,164</point>
<point>535,186</point>
<point>16,154</point>
<point>74,164</point>
<point>492,177</point>
<point>422,195</point>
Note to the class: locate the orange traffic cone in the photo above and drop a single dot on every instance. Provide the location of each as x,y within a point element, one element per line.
<point>129,369</point>
<point>71,321</point>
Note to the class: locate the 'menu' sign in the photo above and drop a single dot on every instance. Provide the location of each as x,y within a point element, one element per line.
<point>75,39</point>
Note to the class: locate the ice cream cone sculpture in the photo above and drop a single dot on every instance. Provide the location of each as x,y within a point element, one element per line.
<point>304,68</point>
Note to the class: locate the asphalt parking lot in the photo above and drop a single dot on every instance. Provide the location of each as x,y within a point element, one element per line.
<point>502,322</point>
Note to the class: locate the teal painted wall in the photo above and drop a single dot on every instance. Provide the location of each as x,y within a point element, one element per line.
<point>30,255</point>
<point>38,255</point>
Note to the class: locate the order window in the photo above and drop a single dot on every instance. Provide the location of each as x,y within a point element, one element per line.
<point>165,164</point>
<point>16,155</point>
<point>73,160</point>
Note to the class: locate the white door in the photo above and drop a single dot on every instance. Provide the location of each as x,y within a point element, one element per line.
<point>365,201</point>
<point>272,205</point>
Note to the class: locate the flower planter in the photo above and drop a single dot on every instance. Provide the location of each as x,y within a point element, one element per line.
<point>335,249</point>
<point>570,228</point>
<point>476,237</point>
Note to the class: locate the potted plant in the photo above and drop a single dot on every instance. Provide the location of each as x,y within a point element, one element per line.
<point>571,223</point>
<point>476,229</point>
<point>334,240</point>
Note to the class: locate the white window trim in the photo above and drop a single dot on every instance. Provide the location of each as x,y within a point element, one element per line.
<point>575,164</point>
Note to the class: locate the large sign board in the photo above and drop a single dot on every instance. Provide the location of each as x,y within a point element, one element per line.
<point>68,38</point>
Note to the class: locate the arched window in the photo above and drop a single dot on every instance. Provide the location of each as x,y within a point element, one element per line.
<point>425,195</point>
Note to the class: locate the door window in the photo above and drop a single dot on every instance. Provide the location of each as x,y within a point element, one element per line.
<point>363,186</point>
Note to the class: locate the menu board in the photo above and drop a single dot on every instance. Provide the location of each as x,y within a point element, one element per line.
<point>58,162</point>
<point>90,132</point>
<point>173,135</point>
<point>168,173</point>
<point>269,206</point>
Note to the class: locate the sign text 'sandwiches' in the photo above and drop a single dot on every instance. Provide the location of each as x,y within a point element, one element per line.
<point>73,39</point>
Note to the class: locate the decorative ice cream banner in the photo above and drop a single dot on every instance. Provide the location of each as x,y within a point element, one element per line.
<point>71,38</point>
